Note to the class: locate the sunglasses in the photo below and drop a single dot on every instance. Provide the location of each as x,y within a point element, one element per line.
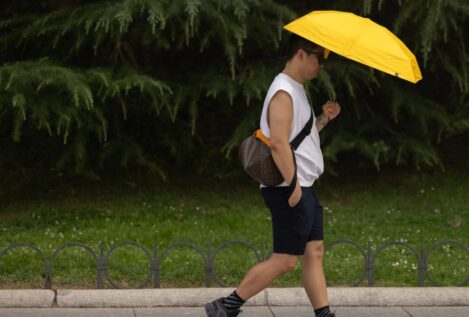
<point>320,56</point>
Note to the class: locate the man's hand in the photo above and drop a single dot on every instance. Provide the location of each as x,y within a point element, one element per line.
<point>295,196</point>
<point>331,109</point>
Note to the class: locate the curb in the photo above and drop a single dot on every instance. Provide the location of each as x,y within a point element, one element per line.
<point>192,297</point>
<point>26,298</point>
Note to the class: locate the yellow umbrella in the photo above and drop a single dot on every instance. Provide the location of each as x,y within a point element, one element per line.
<point>358,39</point>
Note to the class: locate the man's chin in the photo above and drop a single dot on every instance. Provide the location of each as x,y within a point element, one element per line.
<point>315,75</point>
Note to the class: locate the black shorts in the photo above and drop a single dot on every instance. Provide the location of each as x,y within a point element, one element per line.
<point>294,227</point>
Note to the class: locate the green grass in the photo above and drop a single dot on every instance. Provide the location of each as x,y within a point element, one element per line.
<point>379,209</point>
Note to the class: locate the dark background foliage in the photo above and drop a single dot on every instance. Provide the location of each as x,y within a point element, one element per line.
<point>173,86</point>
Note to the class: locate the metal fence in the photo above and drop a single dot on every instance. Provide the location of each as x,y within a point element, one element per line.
<point>101,260</point>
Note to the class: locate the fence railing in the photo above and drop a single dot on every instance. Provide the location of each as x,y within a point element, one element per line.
<point>101,260</point>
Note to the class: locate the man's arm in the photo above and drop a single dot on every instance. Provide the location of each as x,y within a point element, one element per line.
<point>321,122</point>
<point>280,120</point>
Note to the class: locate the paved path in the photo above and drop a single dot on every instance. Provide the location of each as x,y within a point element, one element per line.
<point>262,311</point>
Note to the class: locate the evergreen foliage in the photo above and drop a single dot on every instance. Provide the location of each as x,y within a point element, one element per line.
<point>87,85</point>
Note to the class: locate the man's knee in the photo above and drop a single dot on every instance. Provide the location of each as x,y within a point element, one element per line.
<point>286,263</point>
<point>315,251</point>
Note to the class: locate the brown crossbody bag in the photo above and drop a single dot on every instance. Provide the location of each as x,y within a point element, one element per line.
<point>256,157</point>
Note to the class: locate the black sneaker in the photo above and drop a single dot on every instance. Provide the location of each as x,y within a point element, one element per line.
<point>216,309</point>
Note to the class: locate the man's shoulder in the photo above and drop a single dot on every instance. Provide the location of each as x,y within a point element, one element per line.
<point>281,84</point>
<point>282,79</point>
<point>281,96</point>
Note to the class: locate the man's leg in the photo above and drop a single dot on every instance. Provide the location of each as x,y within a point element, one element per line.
<point>257,279</point>
<point>314,280</point>
<point>264,273</point>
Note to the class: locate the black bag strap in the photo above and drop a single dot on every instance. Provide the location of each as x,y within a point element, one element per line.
<point>291,187</point>
<point>294,144</point>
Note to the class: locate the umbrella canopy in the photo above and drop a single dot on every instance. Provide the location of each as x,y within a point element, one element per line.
<point>358,39</point>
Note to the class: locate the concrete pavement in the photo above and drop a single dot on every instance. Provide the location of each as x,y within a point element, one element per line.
<point>249,311</point>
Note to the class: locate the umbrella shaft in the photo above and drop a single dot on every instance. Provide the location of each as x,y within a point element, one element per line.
<point>340,91</point>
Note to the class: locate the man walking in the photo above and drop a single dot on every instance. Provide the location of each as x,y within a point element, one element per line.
<point>297,216</point>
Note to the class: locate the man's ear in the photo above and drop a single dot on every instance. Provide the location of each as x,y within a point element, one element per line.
<point>301,54</point>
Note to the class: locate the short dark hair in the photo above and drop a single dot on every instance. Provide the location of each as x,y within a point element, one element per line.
<point>296,42</point>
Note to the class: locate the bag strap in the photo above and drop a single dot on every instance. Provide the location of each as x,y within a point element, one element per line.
<point>291,187</point>
<point>295,143</point>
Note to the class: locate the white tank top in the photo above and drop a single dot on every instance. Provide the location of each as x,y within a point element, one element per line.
<point>309,160</point>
